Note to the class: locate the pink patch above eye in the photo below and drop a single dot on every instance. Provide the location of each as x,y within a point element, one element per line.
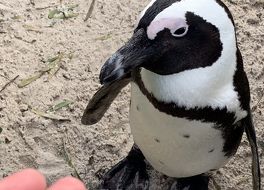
<point>172,24</point>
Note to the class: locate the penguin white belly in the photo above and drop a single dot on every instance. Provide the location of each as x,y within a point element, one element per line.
<point>174,146</point>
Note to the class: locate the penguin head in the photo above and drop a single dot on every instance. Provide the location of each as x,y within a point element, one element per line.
<point>173,36</point>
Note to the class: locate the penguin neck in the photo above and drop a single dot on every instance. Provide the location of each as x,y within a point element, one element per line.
<point>211,86</point>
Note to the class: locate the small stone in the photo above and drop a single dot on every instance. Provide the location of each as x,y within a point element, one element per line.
<point>7,141</point>
<point>23,107</point>
<point>252,21</point>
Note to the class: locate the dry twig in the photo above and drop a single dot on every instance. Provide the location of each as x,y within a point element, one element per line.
<point>49,116</point>
<point>69,161</point>
<point>7,84</point>
<point>90,11</point>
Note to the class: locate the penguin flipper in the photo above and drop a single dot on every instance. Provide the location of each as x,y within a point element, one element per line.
<point>251,135</point>
<point>102,100</point>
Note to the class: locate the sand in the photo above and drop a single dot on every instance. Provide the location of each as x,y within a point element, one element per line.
<point>28,38</point>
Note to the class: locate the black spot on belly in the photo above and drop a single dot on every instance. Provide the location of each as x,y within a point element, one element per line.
<point>157,140</point>
<point>138,108</point>
<point>186,136</point>
<point>212,150</point>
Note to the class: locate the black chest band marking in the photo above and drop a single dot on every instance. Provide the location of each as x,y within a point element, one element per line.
<point>206,114</point>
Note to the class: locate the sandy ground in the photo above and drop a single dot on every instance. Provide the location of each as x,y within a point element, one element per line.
<point>28,38</point>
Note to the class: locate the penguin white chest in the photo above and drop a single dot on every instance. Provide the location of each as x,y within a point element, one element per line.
<point>174,146</point>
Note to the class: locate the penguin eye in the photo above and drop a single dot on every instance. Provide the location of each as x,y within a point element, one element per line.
<point>180,32</point>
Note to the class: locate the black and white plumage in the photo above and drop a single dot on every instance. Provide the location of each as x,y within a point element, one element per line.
<point>189,94</point>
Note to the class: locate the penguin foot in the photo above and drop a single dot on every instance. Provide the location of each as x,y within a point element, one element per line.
<point>199,182</point>
<point>130,173</point>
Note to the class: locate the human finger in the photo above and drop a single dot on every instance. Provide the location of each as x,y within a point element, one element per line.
<point>68,183</point>
<point>28,179</point>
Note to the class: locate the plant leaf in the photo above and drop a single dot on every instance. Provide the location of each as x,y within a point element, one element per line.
<point>60,105</point>
<point>63,13</point>
<point>105,37</point>
<point>55,65</point>
<point>71,7</point>
<point>52,59</point>
<point>70,15</point>
<point>54,13</point>
<point>50,116</point>
<point>25,82</point>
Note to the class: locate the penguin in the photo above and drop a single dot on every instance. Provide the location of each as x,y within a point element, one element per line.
<point>190,96</point>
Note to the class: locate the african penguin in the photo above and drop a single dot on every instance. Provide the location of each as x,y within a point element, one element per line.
<point>189,95</point>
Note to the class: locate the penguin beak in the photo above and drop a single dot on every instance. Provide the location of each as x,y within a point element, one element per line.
<point>132,55</point>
